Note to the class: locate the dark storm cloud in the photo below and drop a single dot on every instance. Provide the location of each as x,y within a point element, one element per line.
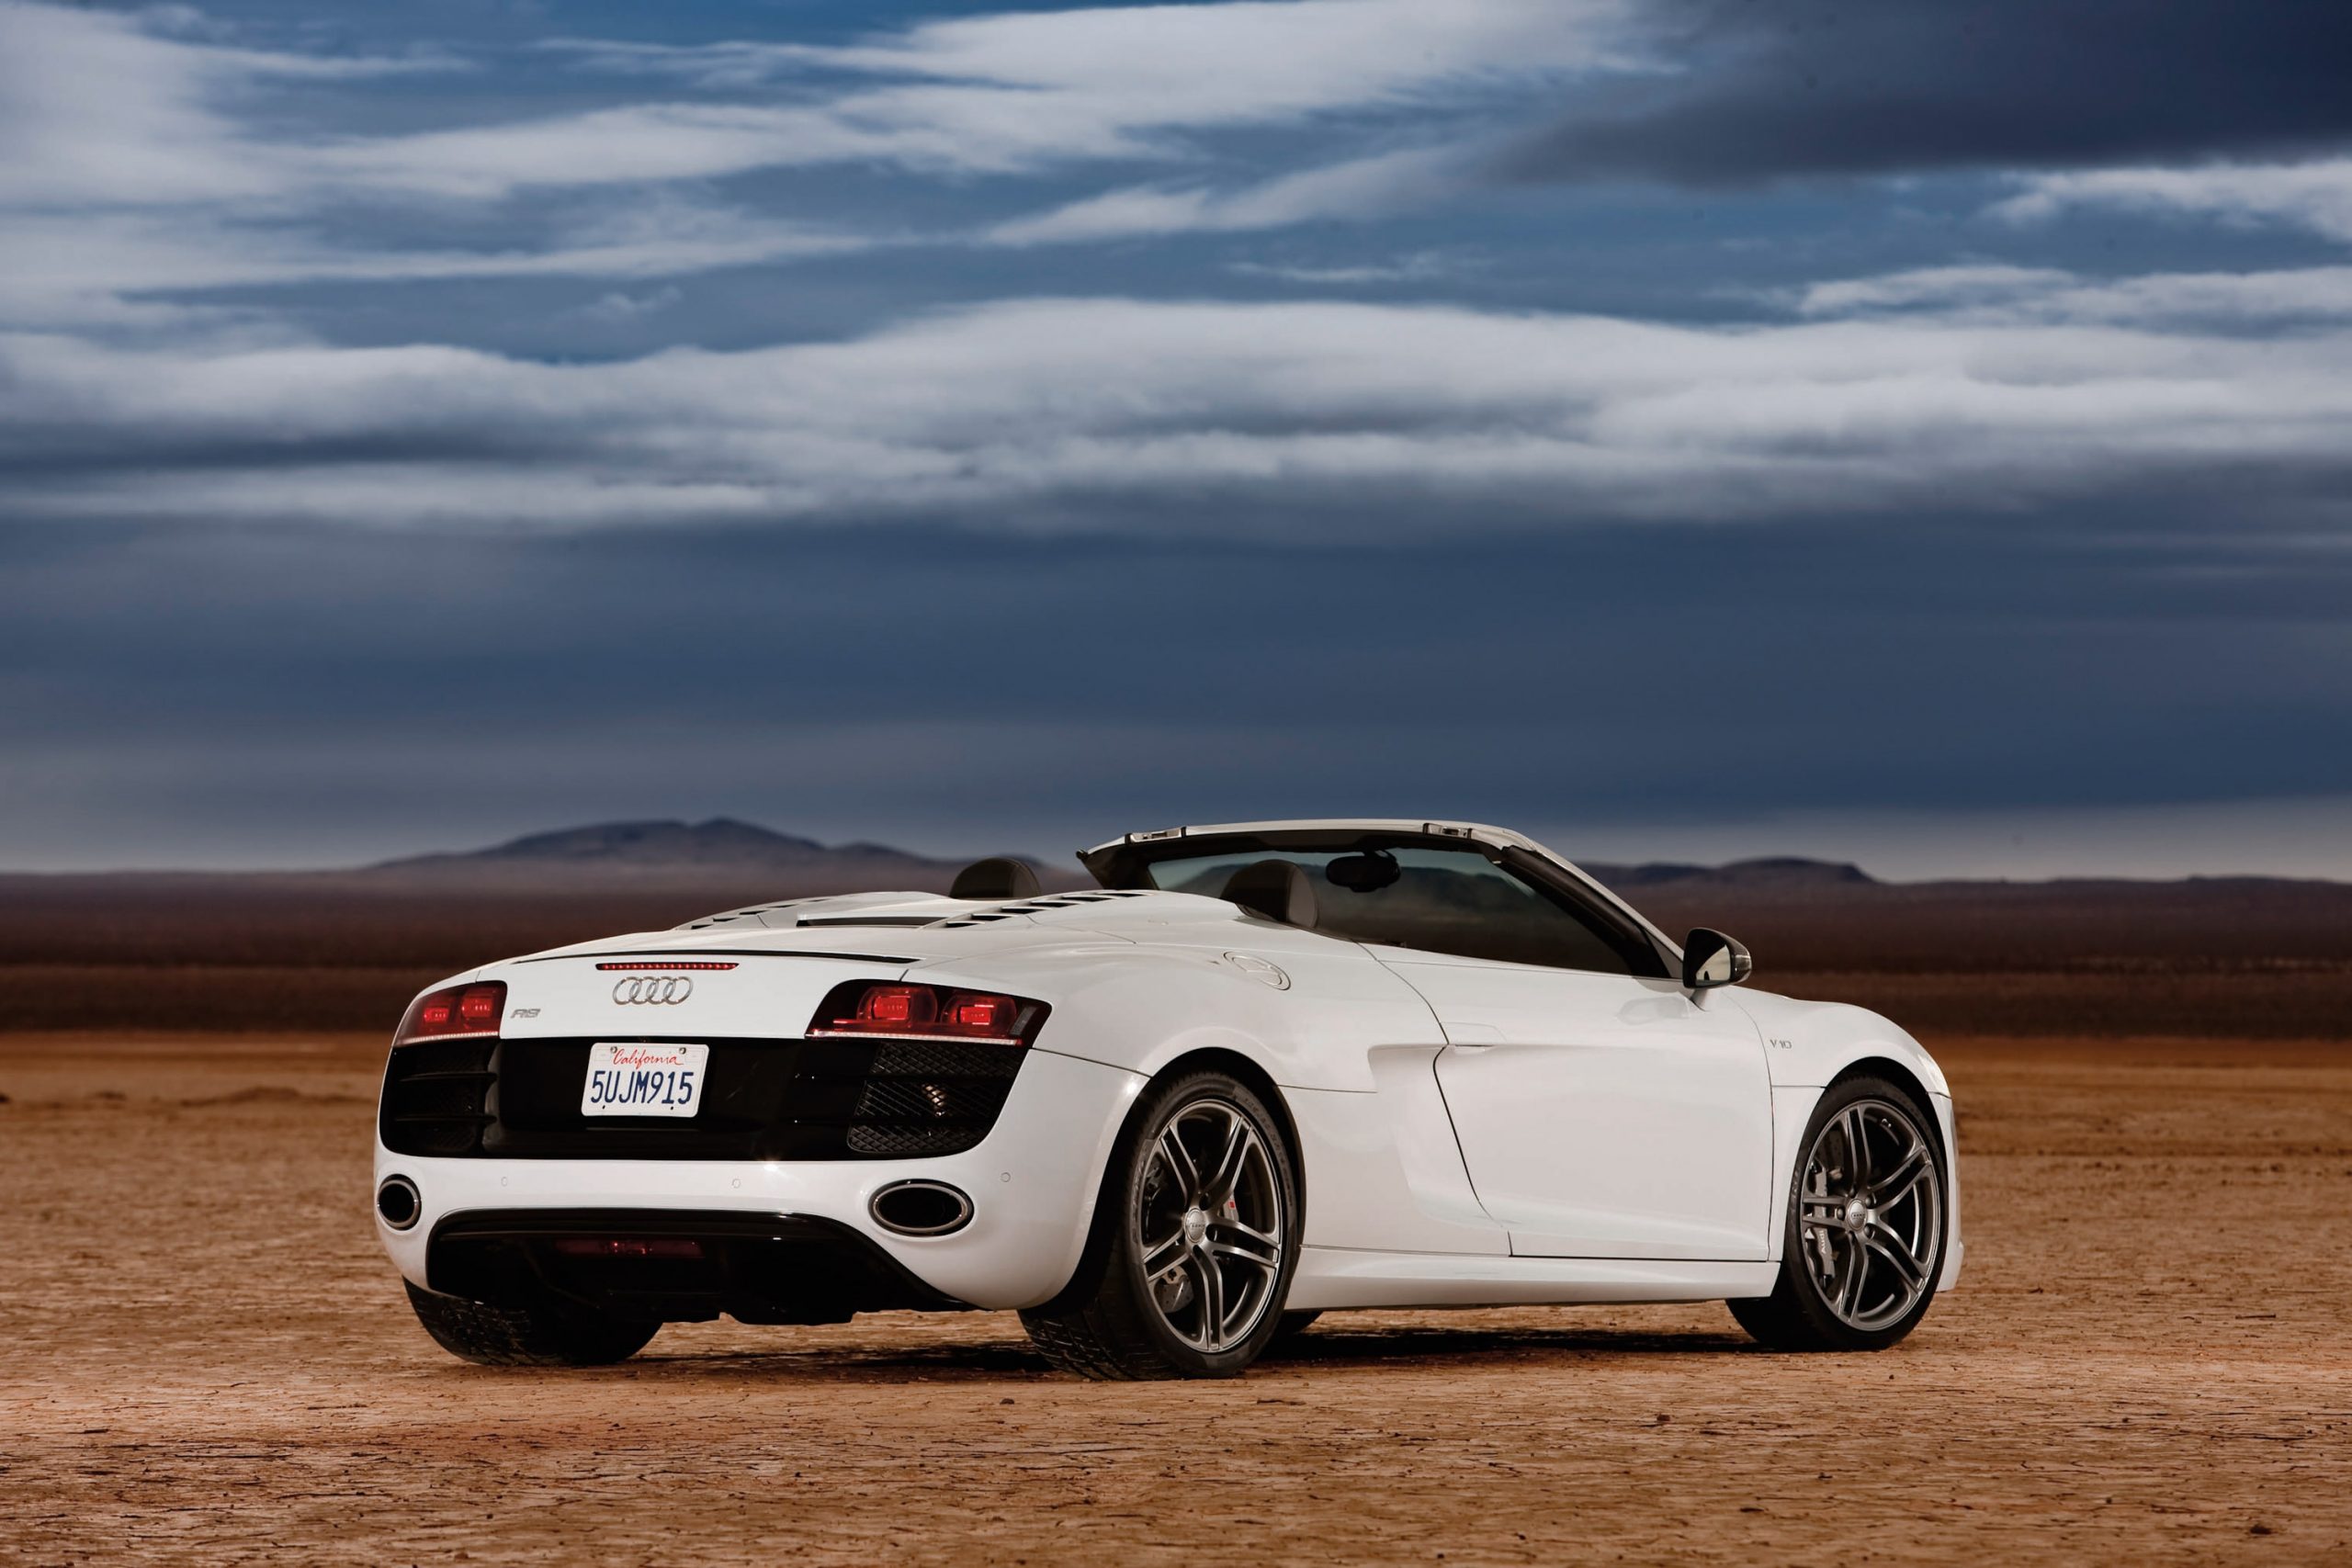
<point>437,435</point>
<point>271,695</point>
<point>1770,88</point>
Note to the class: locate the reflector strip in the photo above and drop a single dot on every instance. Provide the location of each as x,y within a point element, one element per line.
<point>629,1246</point>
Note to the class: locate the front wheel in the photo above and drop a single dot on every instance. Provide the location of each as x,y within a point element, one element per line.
<point>1193,1242</point>
<point>1865,1235</point>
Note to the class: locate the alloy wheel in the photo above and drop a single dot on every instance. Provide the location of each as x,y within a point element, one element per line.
<point>1209,1220</point>
<point>1870,1214</point>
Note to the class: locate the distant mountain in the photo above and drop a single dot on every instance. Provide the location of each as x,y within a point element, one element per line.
<point>1784,873</point>
<point>720,844</point>
<point>239,950</point>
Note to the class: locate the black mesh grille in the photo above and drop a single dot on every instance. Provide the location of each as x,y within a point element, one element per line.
<point>436,1094</point>
<point>902,1140</point>
<point>923,1097</point>
<point>780,1099</point>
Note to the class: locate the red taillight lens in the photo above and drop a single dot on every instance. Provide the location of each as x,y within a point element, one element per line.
<point>927,1013</point>
<point>897,1007</point>
<point>453,1012</point>
<point>981,1012</point>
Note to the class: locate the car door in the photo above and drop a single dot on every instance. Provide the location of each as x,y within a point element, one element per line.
<point>1599,1109</point>
<point>1603,1115</point>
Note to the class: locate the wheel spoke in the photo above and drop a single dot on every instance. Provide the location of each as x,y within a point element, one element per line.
<point>1179,1161</point>
<point>1252,1248</point>
<point>1822,1203</point>
<point>1159,1255</point>
<point>1849,1294</point>
<point>1858,1148</point>
<point>1248,1231</point>
<point>1238,1141</point>
<point>1211,1279</point>
<point>1897,1185</point>
<point>1887,1244</point>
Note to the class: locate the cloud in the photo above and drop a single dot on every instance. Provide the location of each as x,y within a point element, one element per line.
<point>1319,420</point>
<point>1994,293</point>
<point>1805,88</point>
<point>1418,266</point>
<point>2315,195</point>
<point>149,162</point>
<point>1144,67</point>
<point>122,269</point>
<point>1359,188</point>
<point>1012,92</point>
<point>97,111</point>
<point>130,184</point>
<point>619,307</point>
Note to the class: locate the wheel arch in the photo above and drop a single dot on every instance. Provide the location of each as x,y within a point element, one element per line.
<point>1086,1273</point>
<point>1902,1076</point>
<point>1242,1068</point>
<point>1941,1127</point>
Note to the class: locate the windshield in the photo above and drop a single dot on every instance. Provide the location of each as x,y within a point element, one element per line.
<point>1435,900</point>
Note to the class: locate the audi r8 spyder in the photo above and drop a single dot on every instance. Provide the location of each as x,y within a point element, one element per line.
<point>1262,1071</point>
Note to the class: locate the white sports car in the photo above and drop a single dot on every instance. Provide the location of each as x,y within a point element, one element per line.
<point>1266,1070</point>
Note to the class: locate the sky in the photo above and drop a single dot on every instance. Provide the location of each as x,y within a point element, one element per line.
<point>1917,432</point>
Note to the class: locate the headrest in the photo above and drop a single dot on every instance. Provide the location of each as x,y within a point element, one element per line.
<point>1274,889</point>
<point>999,877</point>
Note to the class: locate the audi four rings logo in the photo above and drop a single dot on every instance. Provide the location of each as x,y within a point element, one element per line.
<point>653,990</point>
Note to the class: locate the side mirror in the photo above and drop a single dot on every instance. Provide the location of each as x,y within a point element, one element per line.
<point>1710,958</point>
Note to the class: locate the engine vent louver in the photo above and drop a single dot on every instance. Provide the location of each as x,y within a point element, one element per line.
<point>728,916</point>
<point>1035,907</point>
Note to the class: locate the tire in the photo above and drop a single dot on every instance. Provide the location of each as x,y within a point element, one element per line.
<point>1865,1240</point>
<point>1215,1217</point>
<point>545,1335</point>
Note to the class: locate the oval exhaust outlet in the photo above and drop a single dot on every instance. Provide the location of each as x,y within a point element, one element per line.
<point>921,1208</point>
<point>399,1202</point>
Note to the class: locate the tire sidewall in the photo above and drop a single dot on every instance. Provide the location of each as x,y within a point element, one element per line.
<point>1127,1257</point>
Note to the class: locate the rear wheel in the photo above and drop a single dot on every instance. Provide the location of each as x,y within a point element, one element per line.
<point>1194,1239</point>
<point>546,1335</point>
<point>1865,1235</point>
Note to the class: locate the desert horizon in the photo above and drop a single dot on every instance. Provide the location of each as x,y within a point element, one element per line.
<point>2208,956</point>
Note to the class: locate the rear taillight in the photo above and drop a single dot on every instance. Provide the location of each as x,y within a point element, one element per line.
<point>881,1012</point>
<point>454,1012</point>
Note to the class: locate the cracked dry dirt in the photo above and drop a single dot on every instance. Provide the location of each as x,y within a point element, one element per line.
<point>2149,1360</point>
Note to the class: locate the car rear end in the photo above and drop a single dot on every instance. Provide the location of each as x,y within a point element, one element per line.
<point>671,1133</point>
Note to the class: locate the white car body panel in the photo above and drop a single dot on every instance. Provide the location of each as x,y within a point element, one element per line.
<point>1648,1154</point>
<point>1603,1115</point>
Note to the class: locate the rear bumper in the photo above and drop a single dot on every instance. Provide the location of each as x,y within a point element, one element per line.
<point>672,1265</point>
<point>1033,1182</point>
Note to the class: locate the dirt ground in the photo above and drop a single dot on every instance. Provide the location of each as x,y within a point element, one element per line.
<point>2149,1360</point>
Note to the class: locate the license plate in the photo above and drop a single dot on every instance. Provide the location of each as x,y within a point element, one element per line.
<point>643,1080</point>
